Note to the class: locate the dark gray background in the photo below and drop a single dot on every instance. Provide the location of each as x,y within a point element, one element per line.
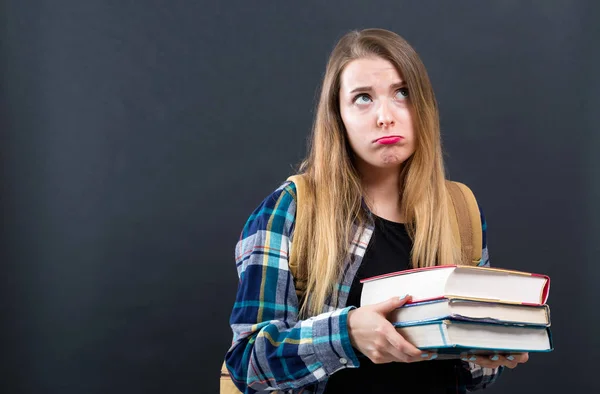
<point>137,136</point>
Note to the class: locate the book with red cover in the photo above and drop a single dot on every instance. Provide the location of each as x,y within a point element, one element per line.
<point>453,281</point>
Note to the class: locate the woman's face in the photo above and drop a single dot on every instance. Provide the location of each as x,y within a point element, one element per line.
<point>376,111</point>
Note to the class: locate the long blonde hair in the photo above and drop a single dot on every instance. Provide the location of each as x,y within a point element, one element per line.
<point>334,192</point>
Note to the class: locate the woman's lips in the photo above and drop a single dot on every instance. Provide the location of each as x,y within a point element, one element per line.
<point>388,140</point>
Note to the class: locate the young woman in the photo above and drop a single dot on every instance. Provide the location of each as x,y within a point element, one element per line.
<point>376,201</point>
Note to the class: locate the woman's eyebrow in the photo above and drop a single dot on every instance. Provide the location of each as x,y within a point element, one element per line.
<point>396,85</point>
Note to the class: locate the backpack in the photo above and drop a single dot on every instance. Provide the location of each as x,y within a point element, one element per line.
<point>465,220</point>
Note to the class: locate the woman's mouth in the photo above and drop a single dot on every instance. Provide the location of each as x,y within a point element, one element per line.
<point>389,140</point>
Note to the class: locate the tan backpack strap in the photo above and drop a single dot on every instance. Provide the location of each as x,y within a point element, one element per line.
<point>226,385</point>
<point>300,283</point>
<point>465,221</point>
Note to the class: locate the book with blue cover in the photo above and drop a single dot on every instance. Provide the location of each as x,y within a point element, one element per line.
<point>456,337</point>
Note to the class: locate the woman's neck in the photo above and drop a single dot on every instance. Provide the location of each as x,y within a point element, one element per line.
<point>382,189</point>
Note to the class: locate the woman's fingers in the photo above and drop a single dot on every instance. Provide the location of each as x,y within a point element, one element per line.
<point>400,348</point>
<point>375,337</point>
<point>497,360</point>
<point>520,357</point>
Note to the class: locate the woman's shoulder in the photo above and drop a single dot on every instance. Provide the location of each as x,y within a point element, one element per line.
<point>282,198</point>
<point>276,212</point>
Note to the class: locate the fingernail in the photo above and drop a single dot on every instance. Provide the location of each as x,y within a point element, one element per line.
<point>403,297</point>
<point>495,357</point>
<point>464,359</point>
<point>510,358</point>
<point>433,356</point>
<point>473,358</point>
<point>424,355</point>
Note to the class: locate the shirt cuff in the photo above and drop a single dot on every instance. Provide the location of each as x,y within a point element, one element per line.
<point>332,342</point>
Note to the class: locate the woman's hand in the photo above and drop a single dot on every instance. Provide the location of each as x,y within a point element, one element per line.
<point>497,360</point>
<point>373,335</point>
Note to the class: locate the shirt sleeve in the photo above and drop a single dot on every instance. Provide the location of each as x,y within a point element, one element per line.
<point>272,349</point>
<point>479,377</point>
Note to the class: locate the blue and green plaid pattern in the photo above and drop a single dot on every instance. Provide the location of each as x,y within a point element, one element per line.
<point>272,349</point>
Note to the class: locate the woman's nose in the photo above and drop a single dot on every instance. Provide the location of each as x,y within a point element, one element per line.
<point>384,116</point>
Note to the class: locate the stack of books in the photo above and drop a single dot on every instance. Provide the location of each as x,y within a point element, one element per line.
<point>459,310</point>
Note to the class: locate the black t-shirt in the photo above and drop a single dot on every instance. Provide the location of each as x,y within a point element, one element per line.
<point>389,251</point>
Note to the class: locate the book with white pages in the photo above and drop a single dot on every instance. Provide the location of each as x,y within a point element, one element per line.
<point>470,310</point>
<point>448,337</point>
<point>451,281</point>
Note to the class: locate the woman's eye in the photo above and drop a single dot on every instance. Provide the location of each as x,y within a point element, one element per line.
<point>362,99</point>
<point>402,93</point>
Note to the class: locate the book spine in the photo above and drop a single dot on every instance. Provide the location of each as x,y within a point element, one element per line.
<point>546,291</point>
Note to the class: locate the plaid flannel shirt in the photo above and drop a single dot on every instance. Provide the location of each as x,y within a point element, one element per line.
<point>272,349</point>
